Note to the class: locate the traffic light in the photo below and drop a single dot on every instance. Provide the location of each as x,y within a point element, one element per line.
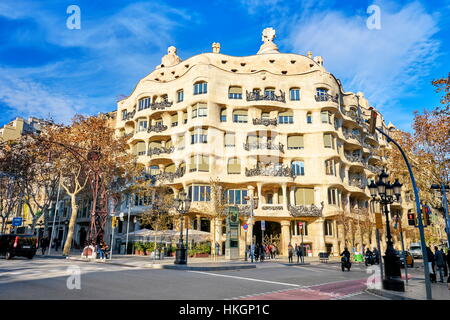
<point>372,121</point>
<point>411,219</point>
<point>426,216</point>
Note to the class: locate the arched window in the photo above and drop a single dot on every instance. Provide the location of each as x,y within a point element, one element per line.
<point>140,148</point>
<point>321,94</point>
<point>298,168</point>
<point>153,170</point>
<point>230,139</point>
<point>325,116</point>
<point>269,92</point>
<point>200,87</point>
<point>174,119</point>
<point>235,92</point>
<point>234,166</point>
<point>199,110</point>
<point>294,94</point>
<point>144,103</point>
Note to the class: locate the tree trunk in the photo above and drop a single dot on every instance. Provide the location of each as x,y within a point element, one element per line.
<point>73,218</point>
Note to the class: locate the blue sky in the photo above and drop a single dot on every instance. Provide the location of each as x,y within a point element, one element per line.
<point>47,69</point>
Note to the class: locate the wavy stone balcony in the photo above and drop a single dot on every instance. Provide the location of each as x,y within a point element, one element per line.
<point>257,96</point>
<point>265,122</point>
<point>271,171</point>
<point>372,168</point>
<point>129,116</point>
<point>351,135</point>
<point>170,176</point>
<point>306,211</point>
<point>327,97</point>
<point>158,151</point>
<point>353,115</point>
<point>157,128</point>
<point>263,146</point>
<point>353,158</point>
<point>357,181</point>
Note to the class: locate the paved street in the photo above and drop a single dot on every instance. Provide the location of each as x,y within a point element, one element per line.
<point>46,278</point>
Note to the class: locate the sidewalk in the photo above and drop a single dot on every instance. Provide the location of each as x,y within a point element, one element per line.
<point>415,290</point>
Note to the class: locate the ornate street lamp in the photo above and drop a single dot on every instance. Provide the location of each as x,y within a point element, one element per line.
<point>387,193</point>
<point>182,204</point>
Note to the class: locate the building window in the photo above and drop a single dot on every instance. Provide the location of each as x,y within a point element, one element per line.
<point>333,196</point>
<point>328,140</point>
<point>230,139</point>
<point>304,196</point>
<point>295,228</point>
<point>321,93</point>
<point>199,110</point>
<point>142,125</point>
<point>140,148</point>
<point>325,117</point>
<point>328,225</point>
<point>185,117</point>
<point>124,114</point>
<point>199,193</point>
<point>309,117</point>
<point>144,103</point>
<point>199,163</point>
<point>180,142</point>
<point>270,92</point>
<point>174,120</point>
<point>235,93</point>
<point>180,95</point>
<point>298,168</point>
<point>234,166</point>
<point>223,115</point>
<point>295,142</point>
<point>286,117</point>
<point>236,196</point>
<point>200,87</point>
<point>240,116</point>
<point>295,94</point>
<point>199,135</point>
<point>330,167</point>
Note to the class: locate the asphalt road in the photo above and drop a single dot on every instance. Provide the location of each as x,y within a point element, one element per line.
<point>47,278</point>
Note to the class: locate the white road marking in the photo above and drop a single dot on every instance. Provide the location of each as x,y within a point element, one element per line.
<point>309,269</point>
<point>249,279</point>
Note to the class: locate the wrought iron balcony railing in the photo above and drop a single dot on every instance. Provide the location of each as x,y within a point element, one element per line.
<point>357,181</point>
<point>352,135</point>
<point>170,176</point>
<point>271,171</point>
<point>272,207</point>
<point>269,96</point>
<point>129,115</point>
<point>353,157</point>
<point>158,105</point>
<point>158,151</point>
<point>265,122</point>
<point>264,145</point>
<point>157,128</point>
<point>306,211</point>
<point>326,97</point>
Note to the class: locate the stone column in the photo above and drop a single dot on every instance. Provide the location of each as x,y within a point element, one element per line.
<point>320,238</point>
<point>285,237</point>
<point>292,196</point>
<point>275,196</point>
<point>335,238</point>
<point>259,185</point>
<point>198,221</point>
<point>285,198</point>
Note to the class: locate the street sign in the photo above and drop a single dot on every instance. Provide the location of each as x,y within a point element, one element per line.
<point>263,225</point>
<point>245,227</point>
<point>17,222</point>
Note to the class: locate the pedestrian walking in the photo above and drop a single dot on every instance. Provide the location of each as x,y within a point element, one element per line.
<point>298,252</point>
<point>44,244</point>
<point>262,253</point>
<point>431,265</point>
<point>57,243</point>
<point>274,251</point>
<point>302,254</point>
<point>290,252</point>
<point>257,252</point>
<point>440,262</point>
<point>268,252</point>
<point>217,248</point>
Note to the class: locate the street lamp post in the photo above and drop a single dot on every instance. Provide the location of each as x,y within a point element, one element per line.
<point>253,205</point>
<point>182,205</point>
<point>386,193</point>
<point>443,189</point>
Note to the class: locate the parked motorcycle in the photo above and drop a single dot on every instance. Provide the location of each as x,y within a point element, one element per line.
<point>345,263</point>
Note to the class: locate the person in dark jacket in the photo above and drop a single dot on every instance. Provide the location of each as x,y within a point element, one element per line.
<point>44,244</point>
<point>290,252</point>
<point>431,264</point>
<point>440,262</point>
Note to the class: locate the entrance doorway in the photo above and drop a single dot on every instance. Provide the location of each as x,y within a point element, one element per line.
<point>272,234</point>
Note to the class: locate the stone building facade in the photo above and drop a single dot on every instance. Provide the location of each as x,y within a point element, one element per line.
<point>274,125</point>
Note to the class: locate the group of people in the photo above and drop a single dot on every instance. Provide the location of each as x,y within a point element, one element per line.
<point>298,250</point>
<point>374,255</point>
<point>102,250</point>
<point>261,251</point>
<point>44,243</point>
<point>440,262</point>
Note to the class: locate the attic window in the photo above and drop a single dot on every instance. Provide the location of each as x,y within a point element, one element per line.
<point>252,70</point>
<point>233,70</point>
<point>224,61</point>
<point>186,65</point>
<point>243,63</point>
<point>156,79</point>
<point>293,61</point>
<point>271,61</point>
<point>173,72</point>
<point>177,77</point>
<point>162,73</point>
<point>311,65</point>
<point>284,72</point>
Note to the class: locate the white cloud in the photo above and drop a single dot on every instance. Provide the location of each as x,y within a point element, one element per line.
<point>385,64</point>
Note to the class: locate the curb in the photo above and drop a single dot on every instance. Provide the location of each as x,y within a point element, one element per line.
<point>389,295</point>
<point>205,268</point>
